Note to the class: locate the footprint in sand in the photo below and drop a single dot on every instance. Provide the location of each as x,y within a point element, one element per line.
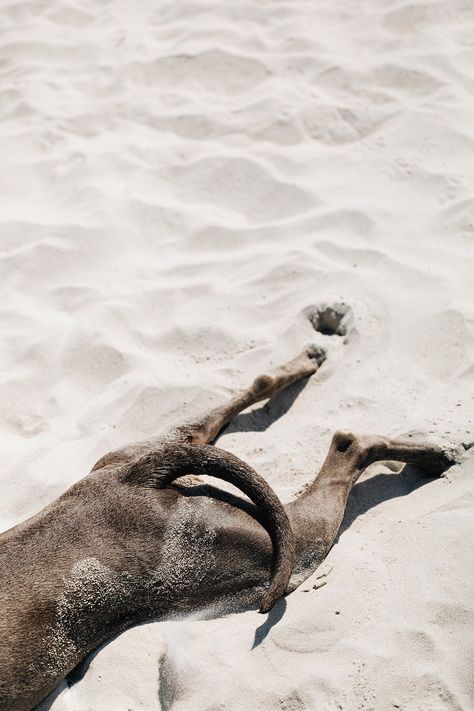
<point>331,319</point>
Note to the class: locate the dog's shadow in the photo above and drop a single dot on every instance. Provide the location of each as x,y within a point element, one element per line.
<point>259,419</point>
<point>371,492</point>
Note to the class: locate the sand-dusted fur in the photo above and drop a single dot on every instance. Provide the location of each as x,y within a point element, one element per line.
<point>124,545</point>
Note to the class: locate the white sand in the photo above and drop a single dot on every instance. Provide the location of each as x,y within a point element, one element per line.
<point>179,180</point>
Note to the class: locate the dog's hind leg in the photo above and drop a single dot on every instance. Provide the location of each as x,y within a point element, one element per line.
<point>317,513</point>
<point>204,430</point>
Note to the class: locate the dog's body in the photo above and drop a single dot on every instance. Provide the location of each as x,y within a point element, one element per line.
<point>122,546</point>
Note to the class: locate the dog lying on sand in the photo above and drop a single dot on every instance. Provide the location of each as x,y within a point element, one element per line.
<point>124,544</point>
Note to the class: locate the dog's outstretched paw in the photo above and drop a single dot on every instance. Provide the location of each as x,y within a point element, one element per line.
<point>439,463</point>
<point>316,353</point>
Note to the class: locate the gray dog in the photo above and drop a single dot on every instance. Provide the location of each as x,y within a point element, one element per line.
<point>123,545</point>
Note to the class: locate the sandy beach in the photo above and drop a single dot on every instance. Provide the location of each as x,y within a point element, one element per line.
<point>182,183</point>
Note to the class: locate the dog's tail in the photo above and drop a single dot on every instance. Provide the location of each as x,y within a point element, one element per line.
<point>167,463</point>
